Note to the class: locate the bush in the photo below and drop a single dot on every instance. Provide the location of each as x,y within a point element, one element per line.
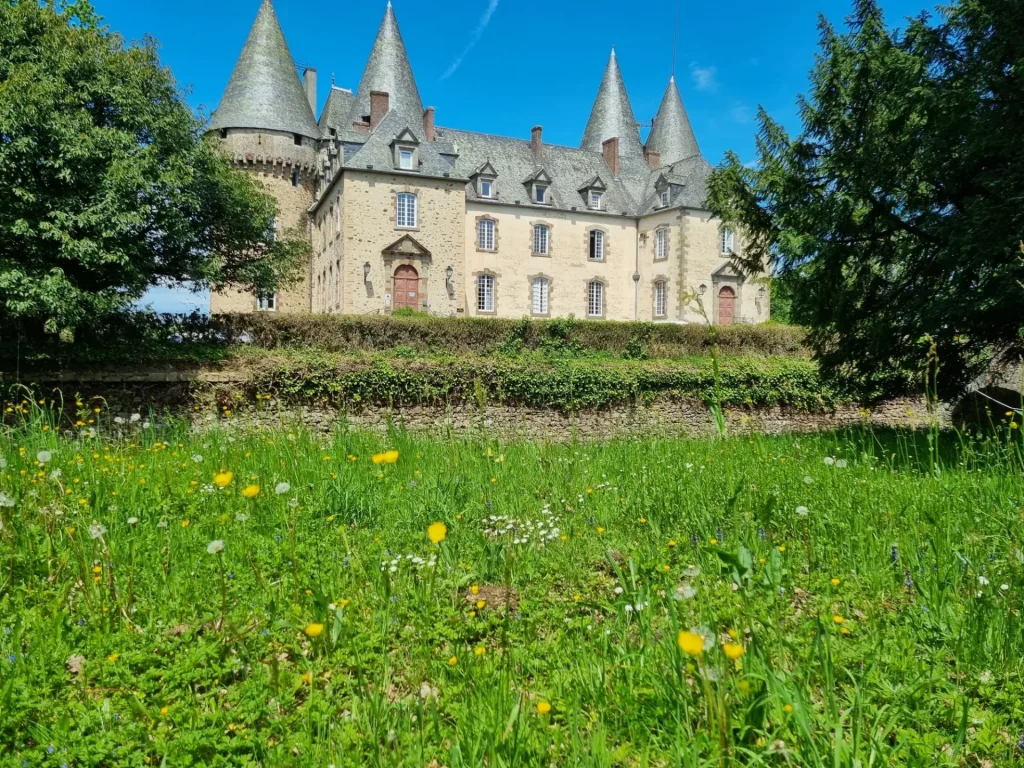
<point>568,336</point>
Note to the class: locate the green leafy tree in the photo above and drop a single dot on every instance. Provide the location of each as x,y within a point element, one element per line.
<point>897,212</point>
<point>107,185</point>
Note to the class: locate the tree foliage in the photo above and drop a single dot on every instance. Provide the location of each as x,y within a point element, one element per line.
<point>107,185</point>
<point>897,212</point>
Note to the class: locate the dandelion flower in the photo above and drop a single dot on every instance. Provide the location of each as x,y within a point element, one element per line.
<point>223,479</point>
<point>475,590</point>
<point>251,491</point>
<point>733,650</point>
<point>788,709</point>
<point>691,643</point>
<point>96,531</point>
<point>829,461</point>
<point>437,532</point>
<point>391,457</point>
<point>185,523</point>
<point>164,711</point>
<point>803,511</point>
<point>197,459</point>
<point>838,619</point>
<point>5,500</point>
<point>133,521</point>
<point>378,458</point>
<point>43,456</point>
<point>113,657</point>
<point>241,518</point>
<point>480,651</point>
<point>215,547</point>
<point>453,661</point>
<point>314,630</point>
<point>480,604</point>
<point>983,581</point>
<point>544,708</point>
<point>282,488</point>
<point>307,678</point>
<point>835,582</point>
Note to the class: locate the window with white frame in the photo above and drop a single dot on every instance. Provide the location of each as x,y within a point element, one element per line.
<point>540,239</point>
<point>485,234</point>
<point>595,201</point>
<point>595,299</point>
<point>540,295</point>
<point>267,303</point>
<point>660,295</point>
<point>485,293</point>
<point>486,188</point>
<point>664,198</point>
<point>596,245</point>
<point>540,192</point>
<point>661,244</point>
<point>726,240</point>
<point>405,159</point>
<point>406,210</point>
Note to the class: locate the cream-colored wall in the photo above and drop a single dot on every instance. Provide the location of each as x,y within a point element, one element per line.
<point>703,257</point>
<point>327,281</point>
<point>369,226</point>
<point>272,158</point>
<point>567,266</point>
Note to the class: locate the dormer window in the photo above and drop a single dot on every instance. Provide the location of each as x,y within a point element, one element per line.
<point>486,187</point>
<point>405,159</point>
<point>664,198</point>
<point>405,151</point>
<point>540,194</point>
<point>595,201</point>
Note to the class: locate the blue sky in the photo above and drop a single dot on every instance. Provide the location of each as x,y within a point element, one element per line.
<point>502,66</point>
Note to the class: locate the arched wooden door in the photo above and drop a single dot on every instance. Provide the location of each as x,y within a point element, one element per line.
<point>726,306</point>
<point>407,288</point>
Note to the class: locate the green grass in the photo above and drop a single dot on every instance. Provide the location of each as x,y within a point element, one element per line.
<point>131,645</point>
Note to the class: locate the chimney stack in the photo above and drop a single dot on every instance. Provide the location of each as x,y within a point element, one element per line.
<point>379,105</point>
<point>428,124</point>
<point>309,81</point>
<point>653,160</point>
<point>537,142</point>
<point>611,154</point>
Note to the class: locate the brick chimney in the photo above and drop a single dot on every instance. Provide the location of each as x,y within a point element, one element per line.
<point>537,142</point>
<point>309,81</point>
<point>653,160</point>
<point>428,124</point>
<point>611,154</point>
<point>379,101</point>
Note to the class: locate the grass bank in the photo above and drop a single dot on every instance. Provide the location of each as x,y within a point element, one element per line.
<point>840,600</point>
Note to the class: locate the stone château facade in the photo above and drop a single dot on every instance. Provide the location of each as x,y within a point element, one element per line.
<point>406,214</point>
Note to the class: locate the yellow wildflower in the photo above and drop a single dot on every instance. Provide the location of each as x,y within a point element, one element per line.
<point>838,619</point>
<point>223,479</point>
<point>835,582</point>
<point>437,532</point>
<point>691,643</point>
<point>733,650</point>
<point>307,678</point>
<point>314,630</point>
<point>453,661</point>
<point>544,708</point>
<point>788,709</point>
<point>113,657</point>
<point>251,492</point>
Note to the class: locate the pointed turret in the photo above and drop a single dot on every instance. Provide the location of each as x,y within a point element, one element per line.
<point>265,91</point>
<point>388,71</point>
<point>612,116</point>
<point>672,136</point>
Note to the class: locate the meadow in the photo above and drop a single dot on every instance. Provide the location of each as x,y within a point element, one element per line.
<point>283,598</point>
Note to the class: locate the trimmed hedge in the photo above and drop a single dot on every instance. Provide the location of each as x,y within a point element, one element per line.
<point>347,333</point>
<point>565,385</point>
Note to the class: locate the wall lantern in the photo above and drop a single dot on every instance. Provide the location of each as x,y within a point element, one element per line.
<point>366,272</point>
<point>703,289</point>
<point>448,275</point>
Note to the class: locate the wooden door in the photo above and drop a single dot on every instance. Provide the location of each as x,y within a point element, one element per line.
<point>726,306</point>
<point>407,288</point>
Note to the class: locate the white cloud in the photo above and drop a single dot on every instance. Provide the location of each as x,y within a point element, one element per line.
<point>704,78</point>
<point>740,114</point>
<point>492,6</point>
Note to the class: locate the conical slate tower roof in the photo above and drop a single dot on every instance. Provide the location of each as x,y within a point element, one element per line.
<point>613,116</point>
<point>265,91</point>
<point>672,136</point>
<point>388,70</point>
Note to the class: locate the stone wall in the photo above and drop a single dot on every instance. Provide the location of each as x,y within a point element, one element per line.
<point>208,398</point>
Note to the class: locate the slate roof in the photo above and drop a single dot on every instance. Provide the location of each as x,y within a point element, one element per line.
<point>388,70</point>
<point>336,110</point>
<point>612,116</point>
<point>265,91</point>
<point>672,134</point>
